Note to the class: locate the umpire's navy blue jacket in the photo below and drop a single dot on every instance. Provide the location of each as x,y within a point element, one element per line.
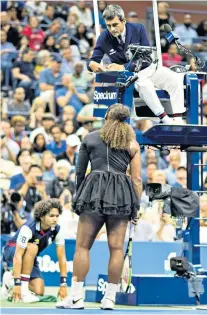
<point>109,45</point>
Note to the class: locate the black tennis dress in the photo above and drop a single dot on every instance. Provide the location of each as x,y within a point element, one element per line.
<point>107,189</point>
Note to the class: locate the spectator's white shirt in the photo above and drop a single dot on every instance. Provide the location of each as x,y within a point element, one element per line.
<point>144,231</point>
<point>34,8</point>
<point>68,221</point>
<point>186,34</point>
<point>85,16</point>
<point>13,147</point>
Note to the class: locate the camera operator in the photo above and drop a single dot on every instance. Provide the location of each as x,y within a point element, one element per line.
<point>13,214</point>
<point>62,181</point>
<point>33,190</point>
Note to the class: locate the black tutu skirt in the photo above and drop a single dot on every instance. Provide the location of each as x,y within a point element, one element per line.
<point>107,193</point>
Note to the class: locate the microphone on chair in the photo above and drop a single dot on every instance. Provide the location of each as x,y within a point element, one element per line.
<point>172,37</point>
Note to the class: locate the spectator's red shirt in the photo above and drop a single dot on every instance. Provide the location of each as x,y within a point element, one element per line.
<point>36,37</point>
<point>169,61</point>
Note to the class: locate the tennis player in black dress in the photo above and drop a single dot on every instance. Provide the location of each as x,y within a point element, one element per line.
<point>105,196</point>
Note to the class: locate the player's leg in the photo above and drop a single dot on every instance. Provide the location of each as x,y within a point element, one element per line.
<point>172,82</point>
<point>8,279</point>
<point>88,227</point>
<point>147,92</point>
<point>116,230</point>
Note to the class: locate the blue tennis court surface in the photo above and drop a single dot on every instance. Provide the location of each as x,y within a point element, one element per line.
<point>94,311</point>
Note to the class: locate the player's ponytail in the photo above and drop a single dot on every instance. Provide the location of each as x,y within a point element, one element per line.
<point>116,132</point>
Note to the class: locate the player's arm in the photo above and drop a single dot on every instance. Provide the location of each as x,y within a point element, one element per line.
<point>81,167</point>
<point>60,249</point>
<point>135,168</point>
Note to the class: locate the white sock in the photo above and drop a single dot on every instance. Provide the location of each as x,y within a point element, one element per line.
<point>167,120</point>
<point>77,289</point>
<point>25,282</point>
<point>111,291</point>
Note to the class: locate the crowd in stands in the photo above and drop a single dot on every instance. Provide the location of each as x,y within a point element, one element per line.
<point>47,109</point>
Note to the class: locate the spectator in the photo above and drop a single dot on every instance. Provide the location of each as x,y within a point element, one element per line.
<point>17,105</point>
<point>43,59</point>
<point>152,156</point>
<point>151,168</point>
<point>36,7</point>
<point>68,60</point>
<point>57,146</point>
<point>202,28</point>
<point>24,16</point>
<point>36,113</point>
<point>186,32</point>
<point>8,52</point>
<point>68,128</point>
<point>9,148</point>
<point>70,95</point>
<point>18,130</point>
<point>61,10</point>
<point>33,190</point>
<point>49,44</point>
<point>159,177</point>
<point>26,144</point>
<point>39,144</point>
<point>23,72</point>
<point>79,78</point>
<point>69,113</point>
<point>68,220</point>
<point>19,179</point>
<point>61,182</point>
<point>85,115</point>
<point>12,13</point>
<point>83,12</point>
<point>48,17</point>
<point>171,58</point>
<point>55,29</point>
<point>174,163</point>
<point>49,78</point>
<point>48,163</point>
<point>66,42</point>
<point>72,23</point>
<point>164,18</point>
<point>85,39</point>
<point>48,120</point>
<point>23,45</point>
<point>12,33</point>
<point>181,177</point>
<point>132,17</point>
<point>34,33</point>
<point>73,143</point>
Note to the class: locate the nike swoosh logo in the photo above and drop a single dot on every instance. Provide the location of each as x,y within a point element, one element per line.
<point>74,302</point>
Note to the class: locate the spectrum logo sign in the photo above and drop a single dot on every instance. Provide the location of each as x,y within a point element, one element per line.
<point>105,96</point>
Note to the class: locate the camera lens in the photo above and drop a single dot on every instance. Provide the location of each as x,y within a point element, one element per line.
<point>15,197</point>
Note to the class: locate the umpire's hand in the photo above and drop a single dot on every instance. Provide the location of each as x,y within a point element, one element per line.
<point>96,67</point>
<point>115,67</point>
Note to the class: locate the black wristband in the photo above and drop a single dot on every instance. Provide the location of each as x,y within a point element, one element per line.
<point>63,281</point>
<point>17,281</point>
